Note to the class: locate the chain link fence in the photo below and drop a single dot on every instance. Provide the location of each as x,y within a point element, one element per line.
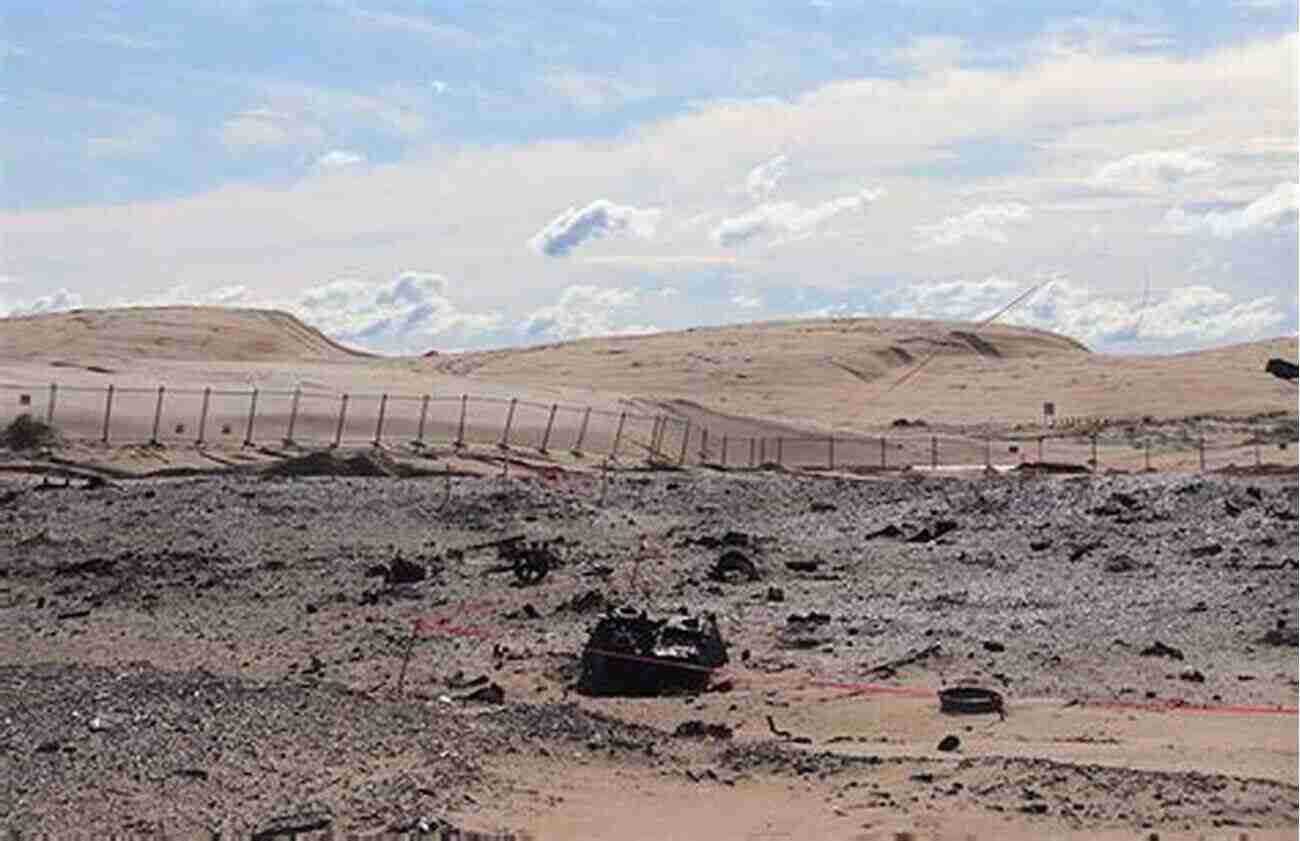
<point>177,416</point>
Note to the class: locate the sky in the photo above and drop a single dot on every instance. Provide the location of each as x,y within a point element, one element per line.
<point>410,176</point>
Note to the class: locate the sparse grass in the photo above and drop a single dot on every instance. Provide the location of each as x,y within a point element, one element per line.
<point>27,433</point>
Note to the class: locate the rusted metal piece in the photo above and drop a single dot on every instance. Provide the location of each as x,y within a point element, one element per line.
<point>628,653</point>
<point>970,700</point>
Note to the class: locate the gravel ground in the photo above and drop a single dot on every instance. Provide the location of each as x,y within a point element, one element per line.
<point>209,653</point>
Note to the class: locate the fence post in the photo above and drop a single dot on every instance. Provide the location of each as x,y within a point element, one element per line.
<point>1200,446</point>
<point>338,428</point>
<point>1146,453</point>
<point>424,416</point>
<point>780,451</point>
<point>108,411</point>
<point>934,452</point>
<point>550,422</point>
<point>1095,463</point>
<point>1040,449</point>
<point>157,415</point>
<point>460,429</point>
<point>883,458</point>
<point>988,451</point>
<point>830,452</point>
<point>293,415</point>
<point>686,438</point>
<point>582,431</point>
<point>618,434</point>
<point>54,393</point>
<point>704,445</point>
<point>1257,462</point>
<point>252,414</point>
<point>510,419</point>
<point>724,452</point>
<point>762,451</point>
<point>379,424</point>
<point>203,415</point>
<point>752,443</point>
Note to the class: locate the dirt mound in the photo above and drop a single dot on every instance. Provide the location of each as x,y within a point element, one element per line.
<point>375,464</point>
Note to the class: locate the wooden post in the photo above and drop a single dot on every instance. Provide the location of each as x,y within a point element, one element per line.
<point>604,481</point>
<point>830,452</point>
<point>883,458</point>
<point>203,416</point>
<point>988,451</point>
<point>293,415</point>
<point>618,436</point>
<point>343,413</point>
<point>550,422</point>
<point>379,424</point>
<point>54,393</point>
<point>424,416</point>
<point>1095,463</point>
<point>460,430</point>
<point>157,414</point>
<point>752,443</point>
<point>686,438</point>
<point>704,445</point>
<point>780,451</point>
<point>582,430</point>
<point>1257,462</point>
<point>252,415</point>
<point>1040,449</point>
<point>724,452</point>
<point>934,452</point>
<point>510,419</point>
<point>108,411</point>
<point>1200,446</point>
<point>762,451</point>
<point>1146,454</point>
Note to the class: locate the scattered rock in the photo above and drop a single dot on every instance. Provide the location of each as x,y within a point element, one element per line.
<point>695,729</point>
<point>1120,563</point>
<point>1159,649</point>
<point>993,646</point>
<point>1191,675</point>
<point>775,594</point>
<point>949,743</point>
<point>490,694</point>
<point>802,566</point>
<point>733,564</point>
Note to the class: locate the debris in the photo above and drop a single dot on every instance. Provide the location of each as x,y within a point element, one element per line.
<point>1040,545</point>
<point>587,602</point>
<point>804,631</point>
<point>786,734</point>
<point>1209,550</point>
<point>1159,649</point>
<point>459,681</point>
<point>290,826</point>
<point>890,530</point>
<point>629,653</point>
<point>949,743</point>
<point>733,563</point>
<point>893,666</point>
<point>695,729</point>
<point>402,571</point>
<point>490,694</point>
<point>994,646</point>
<point>1280,635</point>
<point>933,532</point>
<point>822,507</point>
<point>802,566</point>
<point>1082,550</point>
<point>530,562</point>
<point>1120,563</point>
<point>1191,675</point>
<point>775,594</point>
<point>971,700</point>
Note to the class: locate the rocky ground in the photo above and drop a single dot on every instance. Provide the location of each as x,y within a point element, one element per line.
<point>214,654</point>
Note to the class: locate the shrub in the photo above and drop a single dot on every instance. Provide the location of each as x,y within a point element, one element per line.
<point>27,433</point>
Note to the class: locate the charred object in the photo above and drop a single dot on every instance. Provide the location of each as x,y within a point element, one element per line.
<point>628,653</point>
<point>1282,369</point>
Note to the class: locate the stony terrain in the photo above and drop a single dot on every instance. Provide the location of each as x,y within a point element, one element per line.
<point>215,653</point>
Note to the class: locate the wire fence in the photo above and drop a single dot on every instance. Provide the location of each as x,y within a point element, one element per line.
<point>209,417</point>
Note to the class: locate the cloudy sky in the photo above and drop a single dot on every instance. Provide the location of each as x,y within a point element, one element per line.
<point>415,175</point>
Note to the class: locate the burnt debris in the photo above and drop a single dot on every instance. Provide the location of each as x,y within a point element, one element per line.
<point>628,653</point>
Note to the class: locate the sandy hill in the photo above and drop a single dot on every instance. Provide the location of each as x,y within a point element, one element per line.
<point>132,334</point>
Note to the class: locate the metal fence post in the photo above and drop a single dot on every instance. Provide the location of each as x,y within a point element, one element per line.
<point>550,422</point>
<point>460,430</point>
<point>704,445</point>
<point>293,415</point>
<point>724,451</point>
<point>1040,449</point>
<point>752,444</point>
<point>762,451</point>
<point>883,458</point>
<point>338,427</point>
<point>54,393</point>
<point>157,415</point>
<point>424,416</point>
<point>108,411</point>
<point>510,419</point>
<point>1257,462</point>
<point>203,416</point>
<point>1146,454</point>
<point>934,452</point>
<point>686,438</point>
<point>618,434</point>
<point>830,452</point>
<point>1095,463</point>
<point>252,415</point>
<point>1200,446</point>
<point>988,451</point>
<point>379,424</point>
<point>582,431</point>
<point>780,451</point>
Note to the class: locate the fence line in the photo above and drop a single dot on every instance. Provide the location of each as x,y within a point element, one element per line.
<point>200,416</point>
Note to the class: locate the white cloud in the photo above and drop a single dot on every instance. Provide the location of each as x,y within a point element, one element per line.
<point>764,178</point>
<point>777,219</point>
<point>1154,168</point>
<point>987,222</point>
<point>339,159</point>
<point>265,127</point>
<point>405,314</point>
<point>583,311</point>
<point>1272,211</point>
<point>574,227</point>
<point>57,301</point>
<point>746,302</point>
<point>1187,314</point>
<point>587,90</point>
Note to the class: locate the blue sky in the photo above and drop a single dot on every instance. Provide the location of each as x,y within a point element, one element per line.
<point>418,175</point>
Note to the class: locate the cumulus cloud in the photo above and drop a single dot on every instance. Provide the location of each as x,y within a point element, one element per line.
<point>57,301</point>
<point>1185,315</point>
<point>764,178</point>
<point>338,159</point>
<point>583,311</point>
<point>987,222</point>
<point>405,314</point>
<point>780,219</point>
<point>1154,168</point>
<point>1274,210</point>
<point>574,227</point>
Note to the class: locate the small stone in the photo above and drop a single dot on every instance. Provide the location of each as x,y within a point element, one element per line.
<point>949,743</point>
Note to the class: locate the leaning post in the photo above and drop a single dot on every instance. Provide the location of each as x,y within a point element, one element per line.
<point>108,411</point>
<point>293,415</point>
<point>510,419</point>
<point>686,439</point>
<point>550,423</point>
<point>157,415</point>
<point>379,424</point>
<point>338,427</point>
<point>203,415</point>
<point>582,430</point>
<point>252,415</point>
<point>54,393</point>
